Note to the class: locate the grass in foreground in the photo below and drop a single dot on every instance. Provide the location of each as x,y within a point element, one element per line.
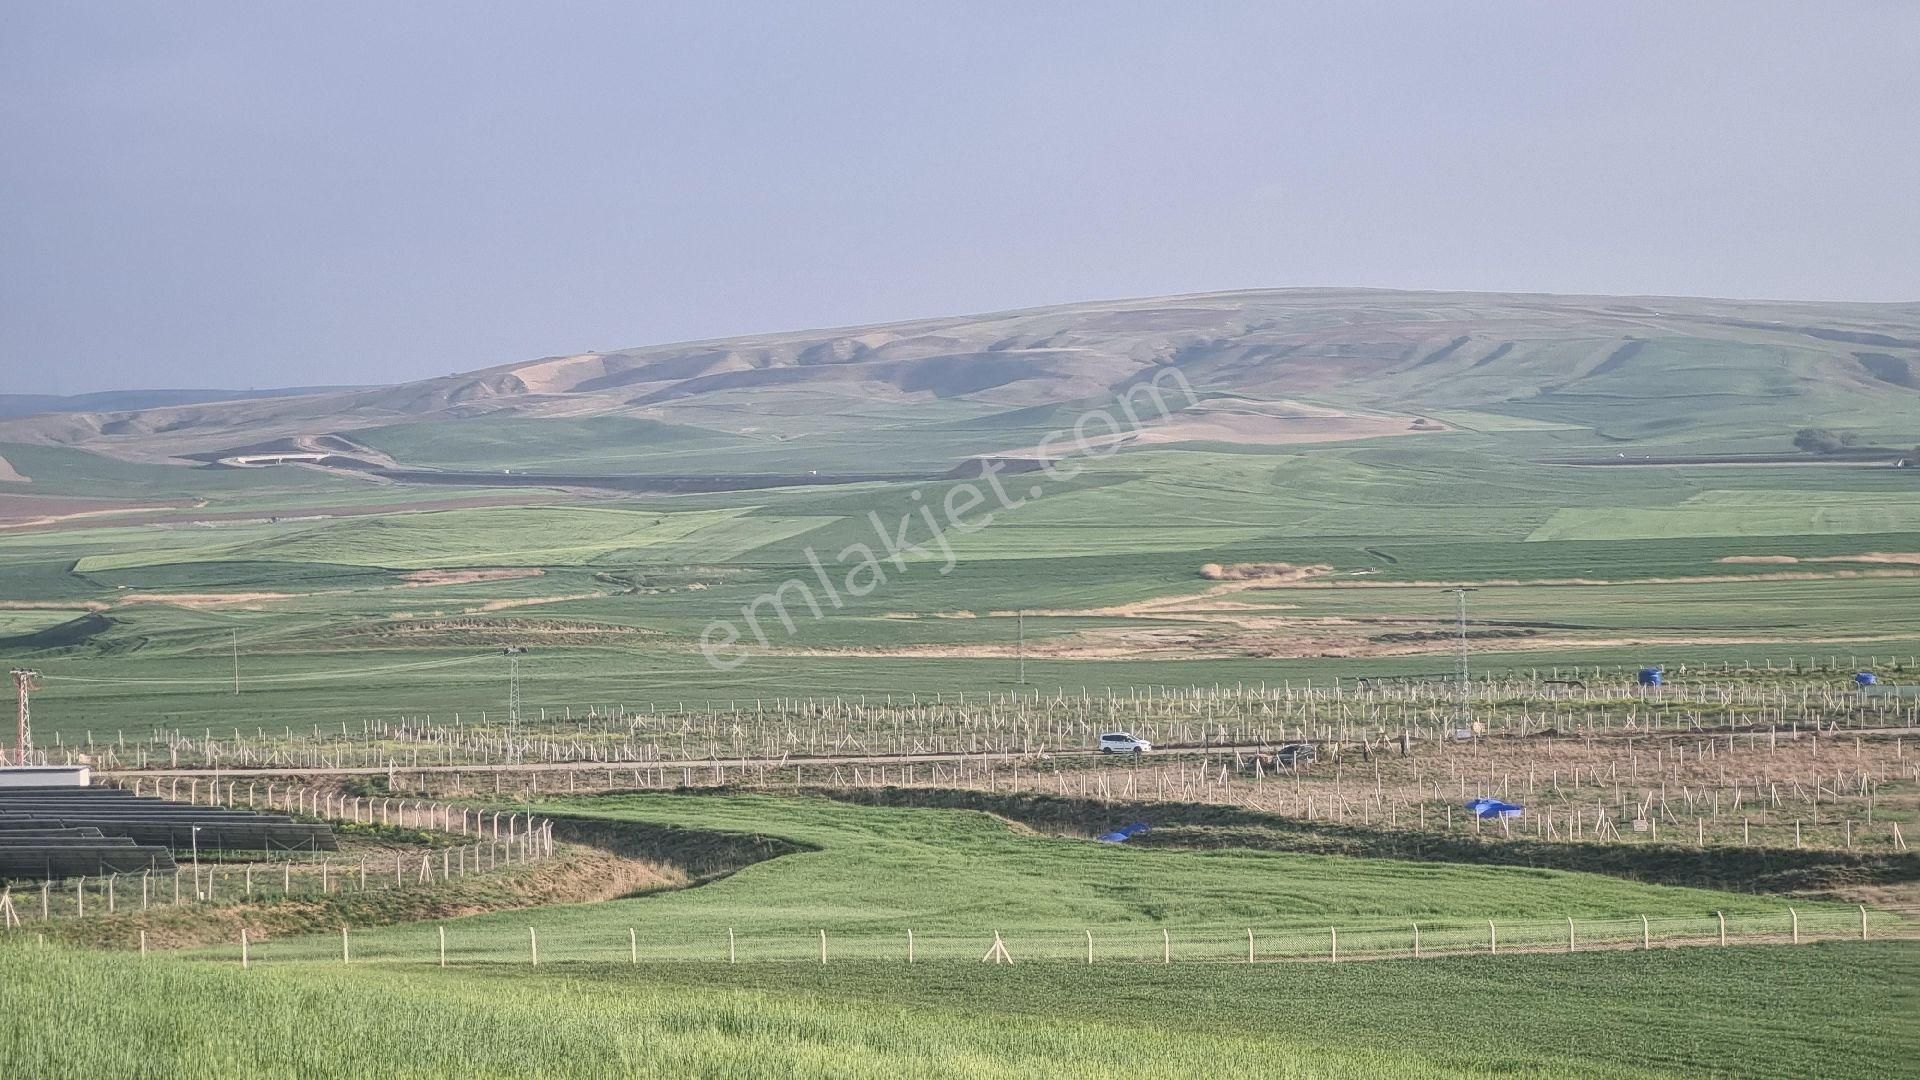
<point>1820,1011</point>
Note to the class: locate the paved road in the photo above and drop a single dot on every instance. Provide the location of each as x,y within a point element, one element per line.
<point>868,759</point>
<point>628,766</point>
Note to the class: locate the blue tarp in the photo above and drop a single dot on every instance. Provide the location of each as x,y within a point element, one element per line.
<point>1493,808</point>
<point>1866,678</point>
<point>1124,833</point>
<point>1650,676</point>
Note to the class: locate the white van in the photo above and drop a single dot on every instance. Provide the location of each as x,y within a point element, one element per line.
<point>1119,742</point>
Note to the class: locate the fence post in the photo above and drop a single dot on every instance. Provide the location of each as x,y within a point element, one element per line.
<point>730,953</point>
<point>1249,944</point>
<point>1089,948</point>
<point>633,946</point>
<point>1333,936</point>
<point>143,944</point>
<point>1722,916</point>
<point>1646,934</point>
<point>909,944</point>
<point>1863,922</point>
<point>1569,933</point>
<point>1416,941</point>
<point>823,947</point>
<point>1493,939</point>
<point>443,946</point>
<point>345,956</point>
<point>1166,946</point>
<point>1795,916</point>
<point>243,948</point>
<point>533,945</point>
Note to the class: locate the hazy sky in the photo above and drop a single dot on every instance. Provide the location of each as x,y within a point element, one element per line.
<point>264,193</point>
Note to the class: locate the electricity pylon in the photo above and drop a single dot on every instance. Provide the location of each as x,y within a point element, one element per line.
<point>24,682</point>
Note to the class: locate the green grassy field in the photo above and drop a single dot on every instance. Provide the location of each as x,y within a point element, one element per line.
<point>867,875</point>
<point>1824,1011</point>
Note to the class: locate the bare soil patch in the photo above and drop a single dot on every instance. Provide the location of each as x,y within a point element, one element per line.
<point>422,578</point>
<point>204,600</point>
<point>1272,572</point>
<point>31,511</point>
<point>1893,558</point>
<point>10,475</point>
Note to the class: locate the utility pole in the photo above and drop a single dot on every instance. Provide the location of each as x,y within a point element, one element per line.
<point>1465,710</point>
<point>1020,622</point>
<point>25,681</point>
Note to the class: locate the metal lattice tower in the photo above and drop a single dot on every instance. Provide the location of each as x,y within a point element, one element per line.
<point>1465,707</point>
<point>25,681</point>
<point>513,688</point>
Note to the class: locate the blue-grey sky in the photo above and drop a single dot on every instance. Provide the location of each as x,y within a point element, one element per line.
<point>260,194</point>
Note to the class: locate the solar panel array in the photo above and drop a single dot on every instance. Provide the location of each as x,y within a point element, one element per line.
<point>77,832</point>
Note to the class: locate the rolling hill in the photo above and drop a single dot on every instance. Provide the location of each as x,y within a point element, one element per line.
<point>1274,365</point>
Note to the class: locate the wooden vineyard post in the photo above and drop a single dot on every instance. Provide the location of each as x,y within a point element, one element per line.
<point>1333,950</point>
<point>1416,941</point>
<point>823,947</point>
<point>1249,945</point>
<point>1089,948</point>
<point>1863,922</point>
<point>633,946</point>
<point>243,948</point>
<point>1795,916</point>
<point>1646,933</point>
<point>443,946</point>
<point>345,956</point>
<point>730,954</point>
<point>533,945</point>
<point>1493,939</point>
<point>143,944</point>
<point>1569,933</point>
<point>909,944</point>
<point>1722,916</point>
<point>1166,946</point>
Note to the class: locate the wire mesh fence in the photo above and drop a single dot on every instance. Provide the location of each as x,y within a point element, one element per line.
<point>500,941</point>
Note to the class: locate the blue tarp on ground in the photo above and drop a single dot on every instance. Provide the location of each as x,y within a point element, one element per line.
<point>1866,678</point>
<point>1650,676</point>
<point>1493,808</point>
<point>1124,833</point>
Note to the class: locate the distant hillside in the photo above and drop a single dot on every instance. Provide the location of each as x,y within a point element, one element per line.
<point>14,405</point>
<point>1673,371</point>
